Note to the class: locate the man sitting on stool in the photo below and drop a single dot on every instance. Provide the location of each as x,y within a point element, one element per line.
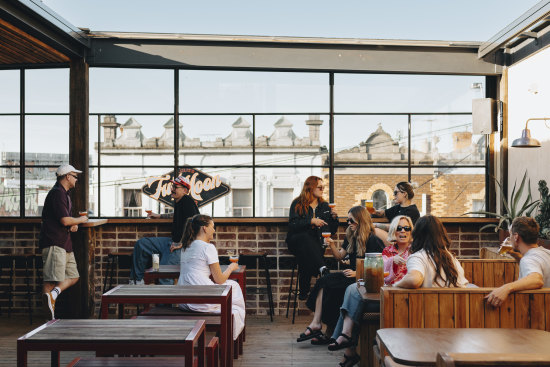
<point>168,248</point>
<point>534,264</point>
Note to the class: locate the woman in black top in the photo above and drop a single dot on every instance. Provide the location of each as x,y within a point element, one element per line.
<point>309,216</point>
<point>327,295</point>
<point>403,194</point>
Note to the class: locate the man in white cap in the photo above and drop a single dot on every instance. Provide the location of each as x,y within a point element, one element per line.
<point>168,248</point>
<point>59,270</point>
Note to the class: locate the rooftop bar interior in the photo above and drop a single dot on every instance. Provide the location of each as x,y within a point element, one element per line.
<point>230,113</point>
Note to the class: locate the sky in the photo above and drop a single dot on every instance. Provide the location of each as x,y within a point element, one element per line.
<point>116,90</point>
<point>464,20</point>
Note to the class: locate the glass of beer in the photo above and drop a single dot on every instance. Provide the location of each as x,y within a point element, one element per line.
<point>83,213</point>
<point>370,206</point>
<point>332,205</point>
<point>505,247</point>
<point>326,235</point>
<point>149,212</point>
<point>233,256</point>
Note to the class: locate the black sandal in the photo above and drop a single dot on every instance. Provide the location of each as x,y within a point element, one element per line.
<point>338,346</point>
<point>350,361</point>
<point>312,334</point>
<point>322,339</point>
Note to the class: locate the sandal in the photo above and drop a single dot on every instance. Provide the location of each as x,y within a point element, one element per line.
<point>350,361</point>
<point>322,339</point>
<point>337,346</point>
<point>312,334</point>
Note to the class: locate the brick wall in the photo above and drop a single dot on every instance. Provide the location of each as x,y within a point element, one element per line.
<point>22,239</point>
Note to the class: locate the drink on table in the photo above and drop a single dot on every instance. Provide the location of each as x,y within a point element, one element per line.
<point>369,205</point>
<point>83,214</point>
<point>149,212</point>
<point>156,262</point>
<point>374,272</point>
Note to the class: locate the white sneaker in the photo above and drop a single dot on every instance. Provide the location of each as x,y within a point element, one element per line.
<point>140,282</point>
<point>132,282</point>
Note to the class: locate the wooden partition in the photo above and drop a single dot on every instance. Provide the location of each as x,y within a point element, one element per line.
<point>490,272</point>
<point>462,308</point>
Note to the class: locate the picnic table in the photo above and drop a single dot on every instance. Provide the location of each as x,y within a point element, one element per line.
<point>173,272</point>
<point>177,294</point>
<point>424,344</point>
<point>110,337</point>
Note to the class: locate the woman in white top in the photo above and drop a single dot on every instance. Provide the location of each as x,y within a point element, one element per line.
<point>431,264</point>
<point>199,260</point>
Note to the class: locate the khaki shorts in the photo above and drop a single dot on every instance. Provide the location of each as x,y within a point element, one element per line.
<point>58,264</point>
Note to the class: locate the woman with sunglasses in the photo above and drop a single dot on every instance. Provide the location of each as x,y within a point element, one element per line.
<point>431,264</point>
<point>395,256</point>
<point>346,333</point>
<point>403,194</point>
<point>309,216</point>
<point>327,295</point>
<point>199,261</point>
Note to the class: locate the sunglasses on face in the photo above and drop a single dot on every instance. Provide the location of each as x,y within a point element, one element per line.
<point>351,221</point>
<point>74,176</point>
<point>406,229</point>
<point>321,187</point>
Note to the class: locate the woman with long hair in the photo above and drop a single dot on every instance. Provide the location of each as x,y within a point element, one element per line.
<point>431,264</point>
<point>346,332</point>
<point>395,256</point>
<point>199,260</point>
<point>309,216</point>
<point>403,194</point>
<point>327,294</point>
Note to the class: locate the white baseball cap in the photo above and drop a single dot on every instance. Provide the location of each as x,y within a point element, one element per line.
<point>66,168</point>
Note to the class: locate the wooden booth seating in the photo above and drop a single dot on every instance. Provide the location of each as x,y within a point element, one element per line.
<point>462,308</point>
<point>490,272</point>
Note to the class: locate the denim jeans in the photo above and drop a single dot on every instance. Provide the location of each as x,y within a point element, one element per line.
<point>142,256</point>
<point>353,306</point>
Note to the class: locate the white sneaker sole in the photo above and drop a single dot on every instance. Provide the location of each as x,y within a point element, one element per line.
<point>47,301</point>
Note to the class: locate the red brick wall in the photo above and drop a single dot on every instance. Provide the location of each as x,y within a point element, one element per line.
<point>18,239</point>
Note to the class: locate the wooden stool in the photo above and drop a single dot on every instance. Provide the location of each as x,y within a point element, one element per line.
<point>113,257</point>
<point>261,255</point>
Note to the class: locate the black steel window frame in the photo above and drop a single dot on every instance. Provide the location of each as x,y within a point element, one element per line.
<point>176,114</point>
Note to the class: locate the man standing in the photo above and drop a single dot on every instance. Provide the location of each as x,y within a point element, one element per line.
<point>168,248</point>
<point>534,264</point>
<point>59,270</point>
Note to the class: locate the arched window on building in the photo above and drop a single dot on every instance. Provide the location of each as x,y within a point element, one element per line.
<point>380,199</point>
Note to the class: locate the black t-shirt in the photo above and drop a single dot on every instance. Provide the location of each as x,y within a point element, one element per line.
<point>56,206</point>
<point>410,211</point>
<point>374,244</point>
<point>183,209</point>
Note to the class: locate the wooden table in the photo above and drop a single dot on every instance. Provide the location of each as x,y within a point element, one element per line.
<point>170,294</point>
<point>110,337</point>
<point>420,346</point>
<point>173,272</point>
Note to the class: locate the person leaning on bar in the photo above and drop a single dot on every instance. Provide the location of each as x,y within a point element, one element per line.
<point>309,216</point>
<point>534,261</point>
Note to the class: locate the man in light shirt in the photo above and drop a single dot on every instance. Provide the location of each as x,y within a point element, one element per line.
<point>534,264</point>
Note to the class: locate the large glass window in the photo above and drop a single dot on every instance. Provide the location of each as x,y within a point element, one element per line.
<point>261,133</point>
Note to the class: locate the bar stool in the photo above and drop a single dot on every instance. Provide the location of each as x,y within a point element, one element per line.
<point>294,291</point>
<point>112,259</point>
<point>261,255</point>
<point>13,262</point>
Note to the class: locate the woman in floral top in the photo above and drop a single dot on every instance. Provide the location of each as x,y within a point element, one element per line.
<point>395,256</point>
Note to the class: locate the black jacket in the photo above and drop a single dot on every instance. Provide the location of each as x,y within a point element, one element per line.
<point>299,223</point>
<point>185,208</point>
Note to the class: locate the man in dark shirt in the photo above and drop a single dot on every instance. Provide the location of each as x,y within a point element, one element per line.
<point>59,270</point>
<point>169,248</point>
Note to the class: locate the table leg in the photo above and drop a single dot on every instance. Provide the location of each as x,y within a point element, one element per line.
<point>229,331</point>
<point>21,354</point>
<point>104,309</point>
<point>202,348</point>
<point>54,358</point>
<point>121,310</point>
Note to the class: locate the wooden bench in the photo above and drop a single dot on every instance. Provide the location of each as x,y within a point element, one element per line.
<point>462,308</point>
<point>213,322</point>
<point>490,272</point>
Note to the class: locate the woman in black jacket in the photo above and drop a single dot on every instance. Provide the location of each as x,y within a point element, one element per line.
<point>309,216</point>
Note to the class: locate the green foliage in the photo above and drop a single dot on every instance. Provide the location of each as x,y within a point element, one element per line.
<point>543,216</point>
<point>512,208</point>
